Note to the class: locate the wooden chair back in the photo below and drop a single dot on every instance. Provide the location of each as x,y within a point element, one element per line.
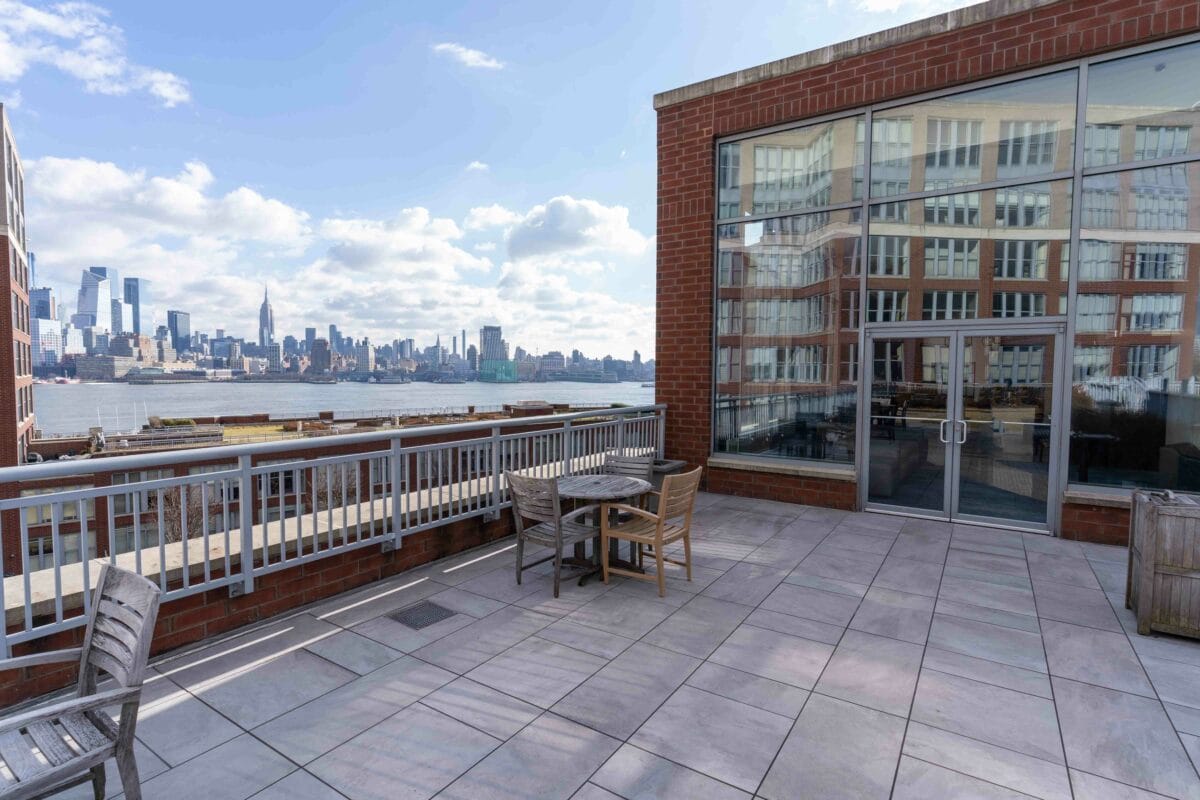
<point>119,630</point>
<point>679,496</point>
<point>629,466</point>
<point>534,498</point>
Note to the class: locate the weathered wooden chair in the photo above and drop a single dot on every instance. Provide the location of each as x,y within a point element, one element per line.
<point>64,744</point>
<point>672,522</point>
<point>537,499</point>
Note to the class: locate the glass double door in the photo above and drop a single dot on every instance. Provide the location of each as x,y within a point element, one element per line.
<point>962,423</point>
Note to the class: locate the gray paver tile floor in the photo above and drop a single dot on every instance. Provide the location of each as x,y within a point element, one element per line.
<point>818,654</point>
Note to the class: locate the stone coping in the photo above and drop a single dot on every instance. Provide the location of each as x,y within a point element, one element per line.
<point>782,467</point>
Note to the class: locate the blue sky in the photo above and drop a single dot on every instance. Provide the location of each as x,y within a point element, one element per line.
<point>400,169</point>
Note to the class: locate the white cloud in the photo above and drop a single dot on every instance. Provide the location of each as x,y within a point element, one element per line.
<point>493,216</point>
<point>485,247</point>
<point>477,166</point>
<point>565,225</point>
<point>12,100</point>
<point>77,38</point>
<point>476,59</point>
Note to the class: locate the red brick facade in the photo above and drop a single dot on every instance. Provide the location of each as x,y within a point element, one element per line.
<point>687,131</point>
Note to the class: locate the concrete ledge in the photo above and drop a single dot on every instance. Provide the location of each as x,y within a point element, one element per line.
<point>1105,499</point>
<point>952,20</point>
<point>782,467</point>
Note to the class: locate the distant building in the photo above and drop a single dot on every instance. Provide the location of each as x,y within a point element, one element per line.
<point>179,325</point>
<point>103,368</point>
<point>554,361</point>
<point>364,356</point>
<point>472,357</point>
<point>93,305</point>
<point>310,336</point>
<point>290,345</point>
<point>137,297</point>
<point>491,344</point>
<point>320,359</point>
<point>46,342</point>
<point>16,361</point>
<point>41,303</point>
<point>266,322</point>
<point>274,357</point>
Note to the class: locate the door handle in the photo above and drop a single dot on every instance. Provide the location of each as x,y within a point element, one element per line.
<point>963,440</point>
<point>942,432</point>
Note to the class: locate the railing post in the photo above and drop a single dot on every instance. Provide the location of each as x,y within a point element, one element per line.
<point>621,434</point>
<point>567,449</point>
<point>5,651</point>
<point>398,493</point>
<point>246,514</point>
<point>497,493</point>
<point>662,433</point>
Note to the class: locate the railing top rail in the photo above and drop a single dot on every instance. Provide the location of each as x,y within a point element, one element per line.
<point>140,461</point>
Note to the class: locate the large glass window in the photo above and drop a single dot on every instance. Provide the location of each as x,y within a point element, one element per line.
<point>781,390</point>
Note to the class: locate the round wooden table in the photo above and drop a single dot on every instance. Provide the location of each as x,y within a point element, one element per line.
<point>603,489</point>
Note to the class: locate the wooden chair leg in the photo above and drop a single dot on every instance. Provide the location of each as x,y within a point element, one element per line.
<point>604,557</point>
<point>662,577</point>
<point>520,557</point>
<point>687,553</point>
<point>557,568</point>
<point>127,766</point>
<point>98,782</point>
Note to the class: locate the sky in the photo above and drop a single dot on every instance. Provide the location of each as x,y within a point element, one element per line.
<point>400,169</point>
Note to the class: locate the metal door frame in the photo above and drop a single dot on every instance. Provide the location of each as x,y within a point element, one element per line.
<point>957,332</point>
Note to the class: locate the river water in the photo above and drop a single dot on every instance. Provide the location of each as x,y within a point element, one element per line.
<point>73,408</point>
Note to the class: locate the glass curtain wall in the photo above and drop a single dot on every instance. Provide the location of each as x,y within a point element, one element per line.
<point>969,213</point>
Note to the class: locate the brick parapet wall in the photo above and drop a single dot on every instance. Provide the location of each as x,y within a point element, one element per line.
<point>1102,524</point>
<point>686,178</point>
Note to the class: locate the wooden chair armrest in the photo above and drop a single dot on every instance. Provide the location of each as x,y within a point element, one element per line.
<point>581,511</point>
<point>36,659</point>
<point>641,512</point>
<point>75,704</point>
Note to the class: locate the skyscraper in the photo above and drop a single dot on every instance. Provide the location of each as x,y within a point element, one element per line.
<point>319,359</point>
<point>137,296</point>
<point>94,305</point>
<point>16,367</point>
<point>266,322</point>
<point>310,336</point>
<point>41,303</point>
<point>179,324</point>
<point>491,344</point>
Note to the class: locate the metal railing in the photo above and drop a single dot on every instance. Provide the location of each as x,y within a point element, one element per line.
<point>198,519</point>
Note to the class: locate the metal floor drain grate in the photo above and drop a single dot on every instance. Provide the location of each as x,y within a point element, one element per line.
<point>421,615</point>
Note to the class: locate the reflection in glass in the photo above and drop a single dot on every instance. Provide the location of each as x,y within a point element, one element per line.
<point>1143,107</point>
<point>1136,399</point>
<point>786,365</point>
<point>1015,130</point>
<point>787,171</point>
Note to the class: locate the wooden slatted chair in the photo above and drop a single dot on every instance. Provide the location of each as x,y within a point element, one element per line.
<point>62,745</point>
<point>644,529</point>
<point>537,499</point>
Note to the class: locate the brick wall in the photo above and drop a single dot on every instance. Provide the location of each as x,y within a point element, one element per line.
<point>1093,523</point>
<point>788,488</point>
<point>201,616</point>
<point>686,177</point>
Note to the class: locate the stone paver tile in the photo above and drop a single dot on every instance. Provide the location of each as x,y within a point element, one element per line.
<point>384,597</point>
<point>896,614</point>
<point>1075,571</point>
<point>300,785</point>
<point>995,673</point>
<point>724,739</point>
<point>795,626</point>
<point>750,689</point>
<point>830,550</point>
<point>148,765</point>
<point>482,707</point>
<point>878,522</point>
<point>1175,682</point>
<point>781,552</point>
<point>1075,604</point>
<point>1105,552</point>
<point>677,580</point>
<point>850,539</point>
<point>321,725</point>
<point>1171,648</point>
<point>625,692</point>
<point>1005,619</point>
<point>838,567</point>
<point>928,527</point>
<point>462,567</point>
<point>745,583</point>
<point>873,671</point>
<point>988,762</point>
<point>827,584</point>
<point>930,548</point>
<point>814,604</point>
<point>571,596</point>
<point>589,640</point>
<point>501,584</point>
<point>836,750</point>
<point>1185,718</point>
<point>1052,545</point>
<point>551,758</point>
<point>986,576</point>
<point>590,791</point>
<point>823,514</point>
<point>988,713</point>
<point>983,640</point>
<point>238,768</point>
<point>907,575</point>
<point>987,540</point>
<point>699,627</point>
<point>474,644</point>
<point>179,725</point>
<point>637,775</point>
<point>1013,599</point>
<point>987,563</point>
<point>1093,787</point>
<point>354,652</point>
<point>409,756</point>
<point>469,603</point>
<point>678,591</point>
<point>404,639</point>
<point>537,671</point>
<point>774,655</point>
<point>1093,656</point>
<point>1111,574</point>
<point>622,614</point>
<point>1123,737</point>
<point>920,780</point>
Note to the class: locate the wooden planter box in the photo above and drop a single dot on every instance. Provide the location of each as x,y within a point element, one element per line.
<point>1163,586</point>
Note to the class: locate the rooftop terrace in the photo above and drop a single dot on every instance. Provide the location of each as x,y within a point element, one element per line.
<point>817,653</point>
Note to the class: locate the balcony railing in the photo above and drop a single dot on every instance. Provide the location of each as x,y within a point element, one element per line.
<point>279,507</point>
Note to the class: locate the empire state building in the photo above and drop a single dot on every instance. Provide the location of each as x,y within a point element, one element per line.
<point>266,322</point>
